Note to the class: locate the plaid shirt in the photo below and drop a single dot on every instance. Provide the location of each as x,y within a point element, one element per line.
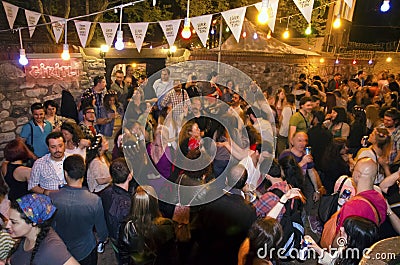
<point>395,145</point>
<point>44,175</point>
<point>178,101</point>
<point>268,200</point>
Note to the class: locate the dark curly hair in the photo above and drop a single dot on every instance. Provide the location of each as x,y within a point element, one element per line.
<point>44,229</point>
<point>75,130</point>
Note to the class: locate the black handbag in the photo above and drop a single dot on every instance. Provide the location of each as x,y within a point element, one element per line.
<point>329,203</point>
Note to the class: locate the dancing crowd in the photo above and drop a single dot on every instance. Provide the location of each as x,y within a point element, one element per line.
<point>205,172</point>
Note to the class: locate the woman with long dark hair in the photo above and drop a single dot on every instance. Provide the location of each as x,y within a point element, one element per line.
<point>334,163</point>
<point>16,173</point>
<point>30,219</point>
<point>358,234</point>
<point>337,123</point>
<point>74,139</point>
<point>292,172</point>
<point>358,129</point>
<point>264,234</point>
<point>146,236</point>
<point>98,163</point>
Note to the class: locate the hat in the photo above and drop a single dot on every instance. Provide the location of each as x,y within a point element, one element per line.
<point>37,207</point>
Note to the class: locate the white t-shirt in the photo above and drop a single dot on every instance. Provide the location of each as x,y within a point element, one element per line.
<point>253,173</point>
<point>287,112</point>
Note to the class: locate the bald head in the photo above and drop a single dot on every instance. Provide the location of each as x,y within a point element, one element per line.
<point>237,177</point>
<point>365,170</point>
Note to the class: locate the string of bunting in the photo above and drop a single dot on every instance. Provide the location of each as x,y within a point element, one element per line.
<point>201,24</point>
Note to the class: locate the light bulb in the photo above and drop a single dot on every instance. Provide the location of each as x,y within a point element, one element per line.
<point>255,35</point>
<point>104,48</point>
<point>119,44</point>
<point>370,61</point>
<point>263,15</point>
<point>244,35</point>
<point>227,29</point>
<point>337,23</point>
<point>65,54</point>
<point>286,34</point>
<point>269,35</point>
<point>186,33</point>
<point>212,31</point>
<point>308,30</point>
<point>22,57</point>
<point>337,61</point>
<point>389,59</point>
<point>173,49</point>
<point>385,6</point>
<point>354,61</point>
<point>322,60</point>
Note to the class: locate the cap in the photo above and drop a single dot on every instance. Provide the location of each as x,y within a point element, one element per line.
<point>37,207</point>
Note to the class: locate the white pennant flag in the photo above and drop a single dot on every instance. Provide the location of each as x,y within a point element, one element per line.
<point>11,13</point>
<point>58,26</point>
<point>349,3</point>
<point>83,27</point>
<point>201,25</point>
<point>306,7</point>
<point>272,11</point>
<point>234,18</point>
<point>109,30</point>
<point>32,19</point>
<point>139,33</point>
<point>170,29</point>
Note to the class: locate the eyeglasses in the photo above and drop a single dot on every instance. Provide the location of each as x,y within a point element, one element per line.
<point>90,112</point>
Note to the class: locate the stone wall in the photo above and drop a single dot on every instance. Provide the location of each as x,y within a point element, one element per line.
<point>17,94</point>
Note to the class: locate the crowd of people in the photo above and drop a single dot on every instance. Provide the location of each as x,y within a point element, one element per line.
<point>201,172</point>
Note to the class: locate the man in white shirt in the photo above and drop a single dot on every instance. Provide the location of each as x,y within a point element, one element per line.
<point>163,85</point>
<point>47,172</point>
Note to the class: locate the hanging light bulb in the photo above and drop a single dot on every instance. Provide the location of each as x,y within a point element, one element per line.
<point>389,59</point>
<point>255,35</point>
<point>269,35</point>
<point>22,56</point>
<point>227,29</point>
<point>119,44</point>
<point>212,31</point>
<point>322,60</point>
<point>286,34</point>
<point>308,30</point>
<point>354,61</point>
<point>186,33</point>
<point>385,6</point>
<point>65,54</point>
<point>370,61</point>
<point>244,35</point>
<point>151,46</point>
<point>337,61</point>
<point>337,23</point>
<point>263,15</point>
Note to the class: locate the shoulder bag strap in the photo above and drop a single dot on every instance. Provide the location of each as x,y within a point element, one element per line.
<point>341,184</point>
<point>305,120</point>
<point>31,133</point>
<point>377,163</point>
<point>376,213</point>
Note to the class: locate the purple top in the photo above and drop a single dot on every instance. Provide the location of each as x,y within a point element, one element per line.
<point>164,165</point>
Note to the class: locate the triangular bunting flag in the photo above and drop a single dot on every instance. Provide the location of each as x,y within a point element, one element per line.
<point>272,11</point>
<point>349,3</point>
<point>305,7</point>
<point>58,26</point>
<point>11,13</point>
<point>139,33</point>
<point>170,29</point>
<point>201,25</point>
<point>32,19</point>
<point>234,18</point>
<point>83,27</point>
<point>109,30</point>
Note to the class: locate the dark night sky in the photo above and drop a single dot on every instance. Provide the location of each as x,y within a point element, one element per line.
<point>371,25</point>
